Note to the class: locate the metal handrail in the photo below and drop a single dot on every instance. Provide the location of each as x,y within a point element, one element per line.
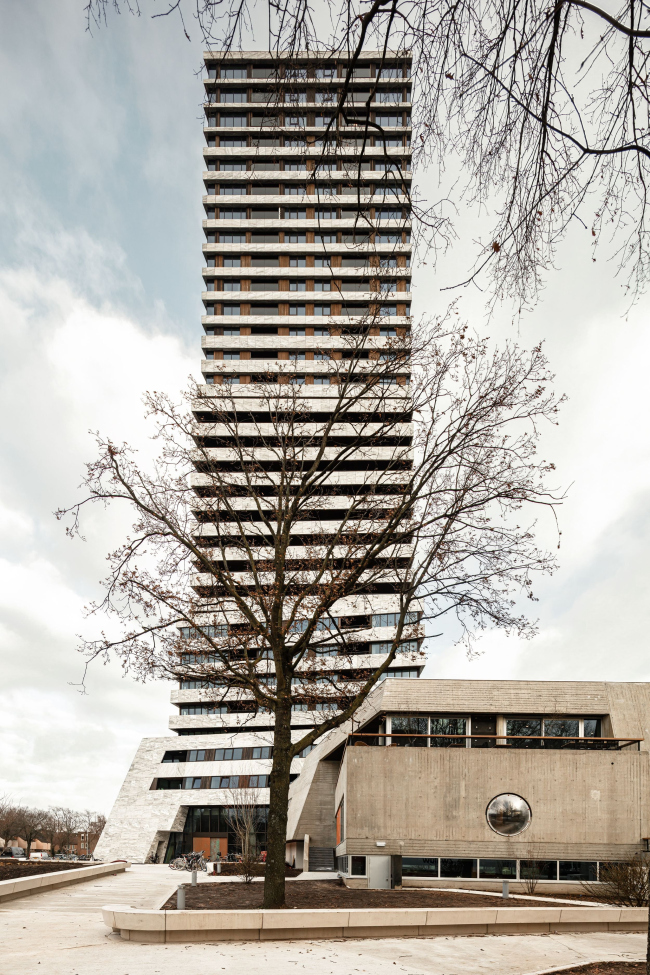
<point>495,737</point>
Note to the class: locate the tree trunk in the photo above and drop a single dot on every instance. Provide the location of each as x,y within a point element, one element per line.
<point>278,808</point>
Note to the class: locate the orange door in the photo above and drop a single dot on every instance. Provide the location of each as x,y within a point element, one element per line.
<point>201,844</point>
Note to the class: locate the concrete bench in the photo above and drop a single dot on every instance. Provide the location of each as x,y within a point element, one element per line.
<point>293,924</point>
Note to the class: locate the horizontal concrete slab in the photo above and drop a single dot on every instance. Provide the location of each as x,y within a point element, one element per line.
<point>261,925</point>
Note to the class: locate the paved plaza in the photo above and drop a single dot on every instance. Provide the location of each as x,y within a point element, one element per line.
<point>61,932</point>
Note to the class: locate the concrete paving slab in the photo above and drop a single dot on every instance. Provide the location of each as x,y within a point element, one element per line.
<point>142,885</point>
<point>56,933</point>
<point>35,943</point>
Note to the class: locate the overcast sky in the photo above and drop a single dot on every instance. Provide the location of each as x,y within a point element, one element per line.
<point>100,257</point>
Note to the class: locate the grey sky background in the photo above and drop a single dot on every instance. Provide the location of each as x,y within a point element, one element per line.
<point>100,237</point>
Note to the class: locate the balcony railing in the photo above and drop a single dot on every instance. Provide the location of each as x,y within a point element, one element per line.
<point>492,741</point>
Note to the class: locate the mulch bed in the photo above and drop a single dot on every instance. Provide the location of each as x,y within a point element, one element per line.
<point>609,968</point>
<point>232,870</point>
<point>327,894</point>
<point>12,869</point>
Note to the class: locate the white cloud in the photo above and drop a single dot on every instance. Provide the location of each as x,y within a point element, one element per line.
<point>593,613</point>
<point>71,366</point>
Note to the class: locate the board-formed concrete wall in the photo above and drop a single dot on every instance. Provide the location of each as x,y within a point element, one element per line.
<point>586,805</point>
<point>316,818</point>
<point>432,801</point>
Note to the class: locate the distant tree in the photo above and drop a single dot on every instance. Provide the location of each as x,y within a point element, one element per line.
<point>31,825</point>
<point>92,823</point>
<point>52,830</point>
<point>9,818</point>
<point>69,821</point>
<point>62,825</point>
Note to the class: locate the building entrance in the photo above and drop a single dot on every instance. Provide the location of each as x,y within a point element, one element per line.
<point>210,846</point>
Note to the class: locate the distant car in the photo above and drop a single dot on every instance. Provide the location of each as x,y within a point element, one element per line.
<point>13,851</point>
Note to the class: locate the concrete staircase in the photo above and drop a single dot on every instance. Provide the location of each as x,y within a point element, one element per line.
<point>321,858</point>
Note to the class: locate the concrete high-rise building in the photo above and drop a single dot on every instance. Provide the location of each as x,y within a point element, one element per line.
<point>307,237</point>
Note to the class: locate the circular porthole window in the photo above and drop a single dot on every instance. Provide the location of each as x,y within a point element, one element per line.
<point>508,814</point>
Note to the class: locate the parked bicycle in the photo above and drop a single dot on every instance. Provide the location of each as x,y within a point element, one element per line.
<point>189,861</point>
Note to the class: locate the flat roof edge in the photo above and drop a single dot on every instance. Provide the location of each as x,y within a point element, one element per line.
<point>300,55</point>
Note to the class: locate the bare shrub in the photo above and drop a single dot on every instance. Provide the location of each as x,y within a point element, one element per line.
<point>624,883</point>
<point>530,874</point>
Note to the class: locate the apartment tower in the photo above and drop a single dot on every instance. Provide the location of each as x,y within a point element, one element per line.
<point>307,231</point>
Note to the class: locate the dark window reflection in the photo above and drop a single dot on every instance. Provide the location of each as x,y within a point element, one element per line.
<point>407,724</point>
<point>460,869</point>
<point>448,726</point>
<point>528,730</point>
<point>558,729</point>
<point>578,870</point>
<point>498,868</point>
<point>540,869</point>
<point>357,866</point>
<point>483,725</point>
<point>419,866</point>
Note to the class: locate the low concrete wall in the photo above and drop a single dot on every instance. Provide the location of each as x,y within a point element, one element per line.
<point>294,925</point>
<point>36,883</point>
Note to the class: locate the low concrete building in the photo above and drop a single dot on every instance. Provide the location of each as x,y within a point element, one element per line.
<point>466,783</point>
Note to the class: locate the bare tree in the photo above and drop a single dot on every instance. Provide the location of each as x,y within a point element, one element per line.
<point>68,822</point>
<point>92,823</point>
<point>52,830</point>
<point>233,576</point>
<point>9,818</point>
<point>543,109</point>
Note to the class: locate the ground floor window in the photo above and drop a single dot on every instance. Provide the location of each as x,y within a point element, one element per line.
<point>577,870</point>
<point>419,866</point>
<point>498,869</point>
<point>352,866</point>
<point>458,868</point>
<point>492,869</point>
<point>541,869</point>
<point>214,824</point>
<point>357,866</point>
